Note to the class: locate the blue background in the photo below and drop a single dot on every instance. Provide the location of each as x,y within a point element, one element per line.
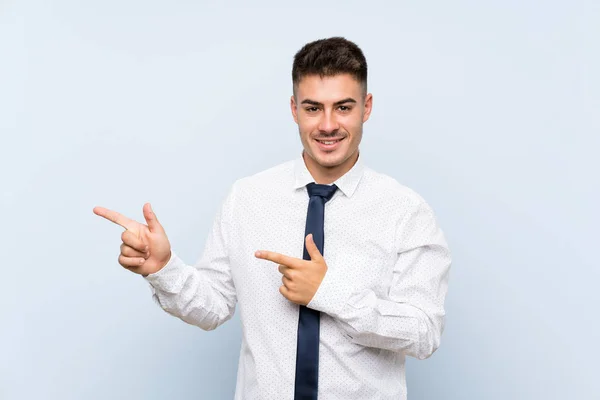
<point>488,109</point>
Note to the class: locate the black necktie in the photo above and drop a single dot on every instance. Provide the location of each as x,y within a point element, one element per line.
<point>307,353</point>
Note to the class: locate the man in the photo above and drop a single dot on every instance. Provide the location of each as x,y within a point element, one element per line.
<point>331,299</point>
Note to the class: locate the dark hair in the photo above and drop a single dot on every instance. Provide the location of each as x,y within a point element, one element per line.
<point>329,57</point>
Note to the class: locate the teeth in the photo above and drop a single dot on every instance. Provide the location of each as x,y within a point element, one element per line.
<point>329,142</point>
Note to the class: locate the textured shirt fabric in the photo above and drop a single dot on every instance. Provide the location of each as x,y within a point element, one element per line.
<point>382,297</point>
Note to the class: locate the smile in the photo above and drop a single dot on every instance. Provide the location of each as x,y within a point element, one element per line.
<point>329,142</point>
<point>329,145</point>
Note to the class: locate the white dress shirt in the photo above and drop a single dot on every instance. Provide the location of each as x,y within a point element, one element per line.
<point>381,299</point>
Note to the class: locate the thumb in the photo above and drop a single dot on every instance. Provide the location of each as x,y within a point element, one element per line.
<point>151,219</point>
<point>312,249</point>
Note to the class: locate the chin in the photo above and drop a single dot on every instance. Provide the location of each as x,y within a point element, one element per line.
<point>330,160</point>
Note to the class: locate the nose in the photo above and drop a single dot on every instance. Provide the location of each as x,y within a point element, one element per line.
<point>328,122</point>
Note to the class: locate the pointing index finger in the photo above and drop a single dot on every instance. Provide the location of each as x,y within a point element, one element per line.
<point>115,217</point>
<point>278,258</point>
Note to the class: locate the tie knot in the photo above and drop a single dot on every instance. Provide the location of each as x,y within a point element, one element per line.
<point>325,191</point>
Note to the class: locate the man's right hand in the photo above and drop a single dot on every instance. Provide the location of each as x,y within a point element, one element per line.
<point>145,248</point>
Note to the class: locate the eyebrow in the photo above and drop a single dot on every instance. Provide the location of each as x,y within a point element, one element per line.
<point>337,103</point>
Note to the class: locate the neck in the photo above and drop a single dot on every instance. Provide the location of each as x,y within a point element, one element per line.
<point>328,175</point>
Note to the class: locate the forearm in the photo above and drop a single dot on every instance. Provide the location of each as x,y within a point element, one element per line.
<point>193,295</point>
<point>406,313</point>
<point>400,327</point>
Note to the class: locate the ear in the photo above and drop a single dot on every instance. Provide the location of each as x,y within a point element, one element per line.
<point>294,109</point>
<point>368,107</point>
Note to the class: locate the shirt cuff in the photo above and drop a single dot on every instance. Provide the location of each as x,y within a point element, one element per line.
<point>167,278</point>
<point>332,295</point>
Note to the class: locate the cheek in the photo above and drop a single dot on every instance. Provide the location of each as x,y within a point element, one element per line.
<point>353,125</point>
<point>306,127</point>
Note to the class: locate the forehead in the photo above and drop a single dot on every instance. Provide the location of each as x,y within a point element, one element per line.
<point>328,88</point>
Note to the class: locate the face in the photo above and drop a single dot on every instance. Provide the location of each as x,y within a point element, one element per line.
<point>330,113</point>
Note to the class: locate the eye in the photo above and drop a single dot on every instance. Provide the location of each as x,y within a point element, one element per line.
<point>312,109</point>
<point>344,108</point>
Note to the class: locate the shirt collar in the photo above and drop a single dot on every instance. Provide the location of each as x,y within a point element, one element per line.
<point>347,183</point>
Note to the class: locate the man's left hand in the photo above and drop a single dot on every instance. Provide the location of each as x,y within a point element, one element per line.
<point>301,278</point>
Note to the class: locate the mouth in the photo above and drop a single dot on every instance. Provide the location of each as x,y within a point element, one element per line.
<point>329,144</point>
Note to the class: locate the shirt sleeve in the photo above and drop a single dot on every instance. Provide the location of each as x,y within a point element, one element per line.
<point>405,313</point>
<point>203,294</point>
